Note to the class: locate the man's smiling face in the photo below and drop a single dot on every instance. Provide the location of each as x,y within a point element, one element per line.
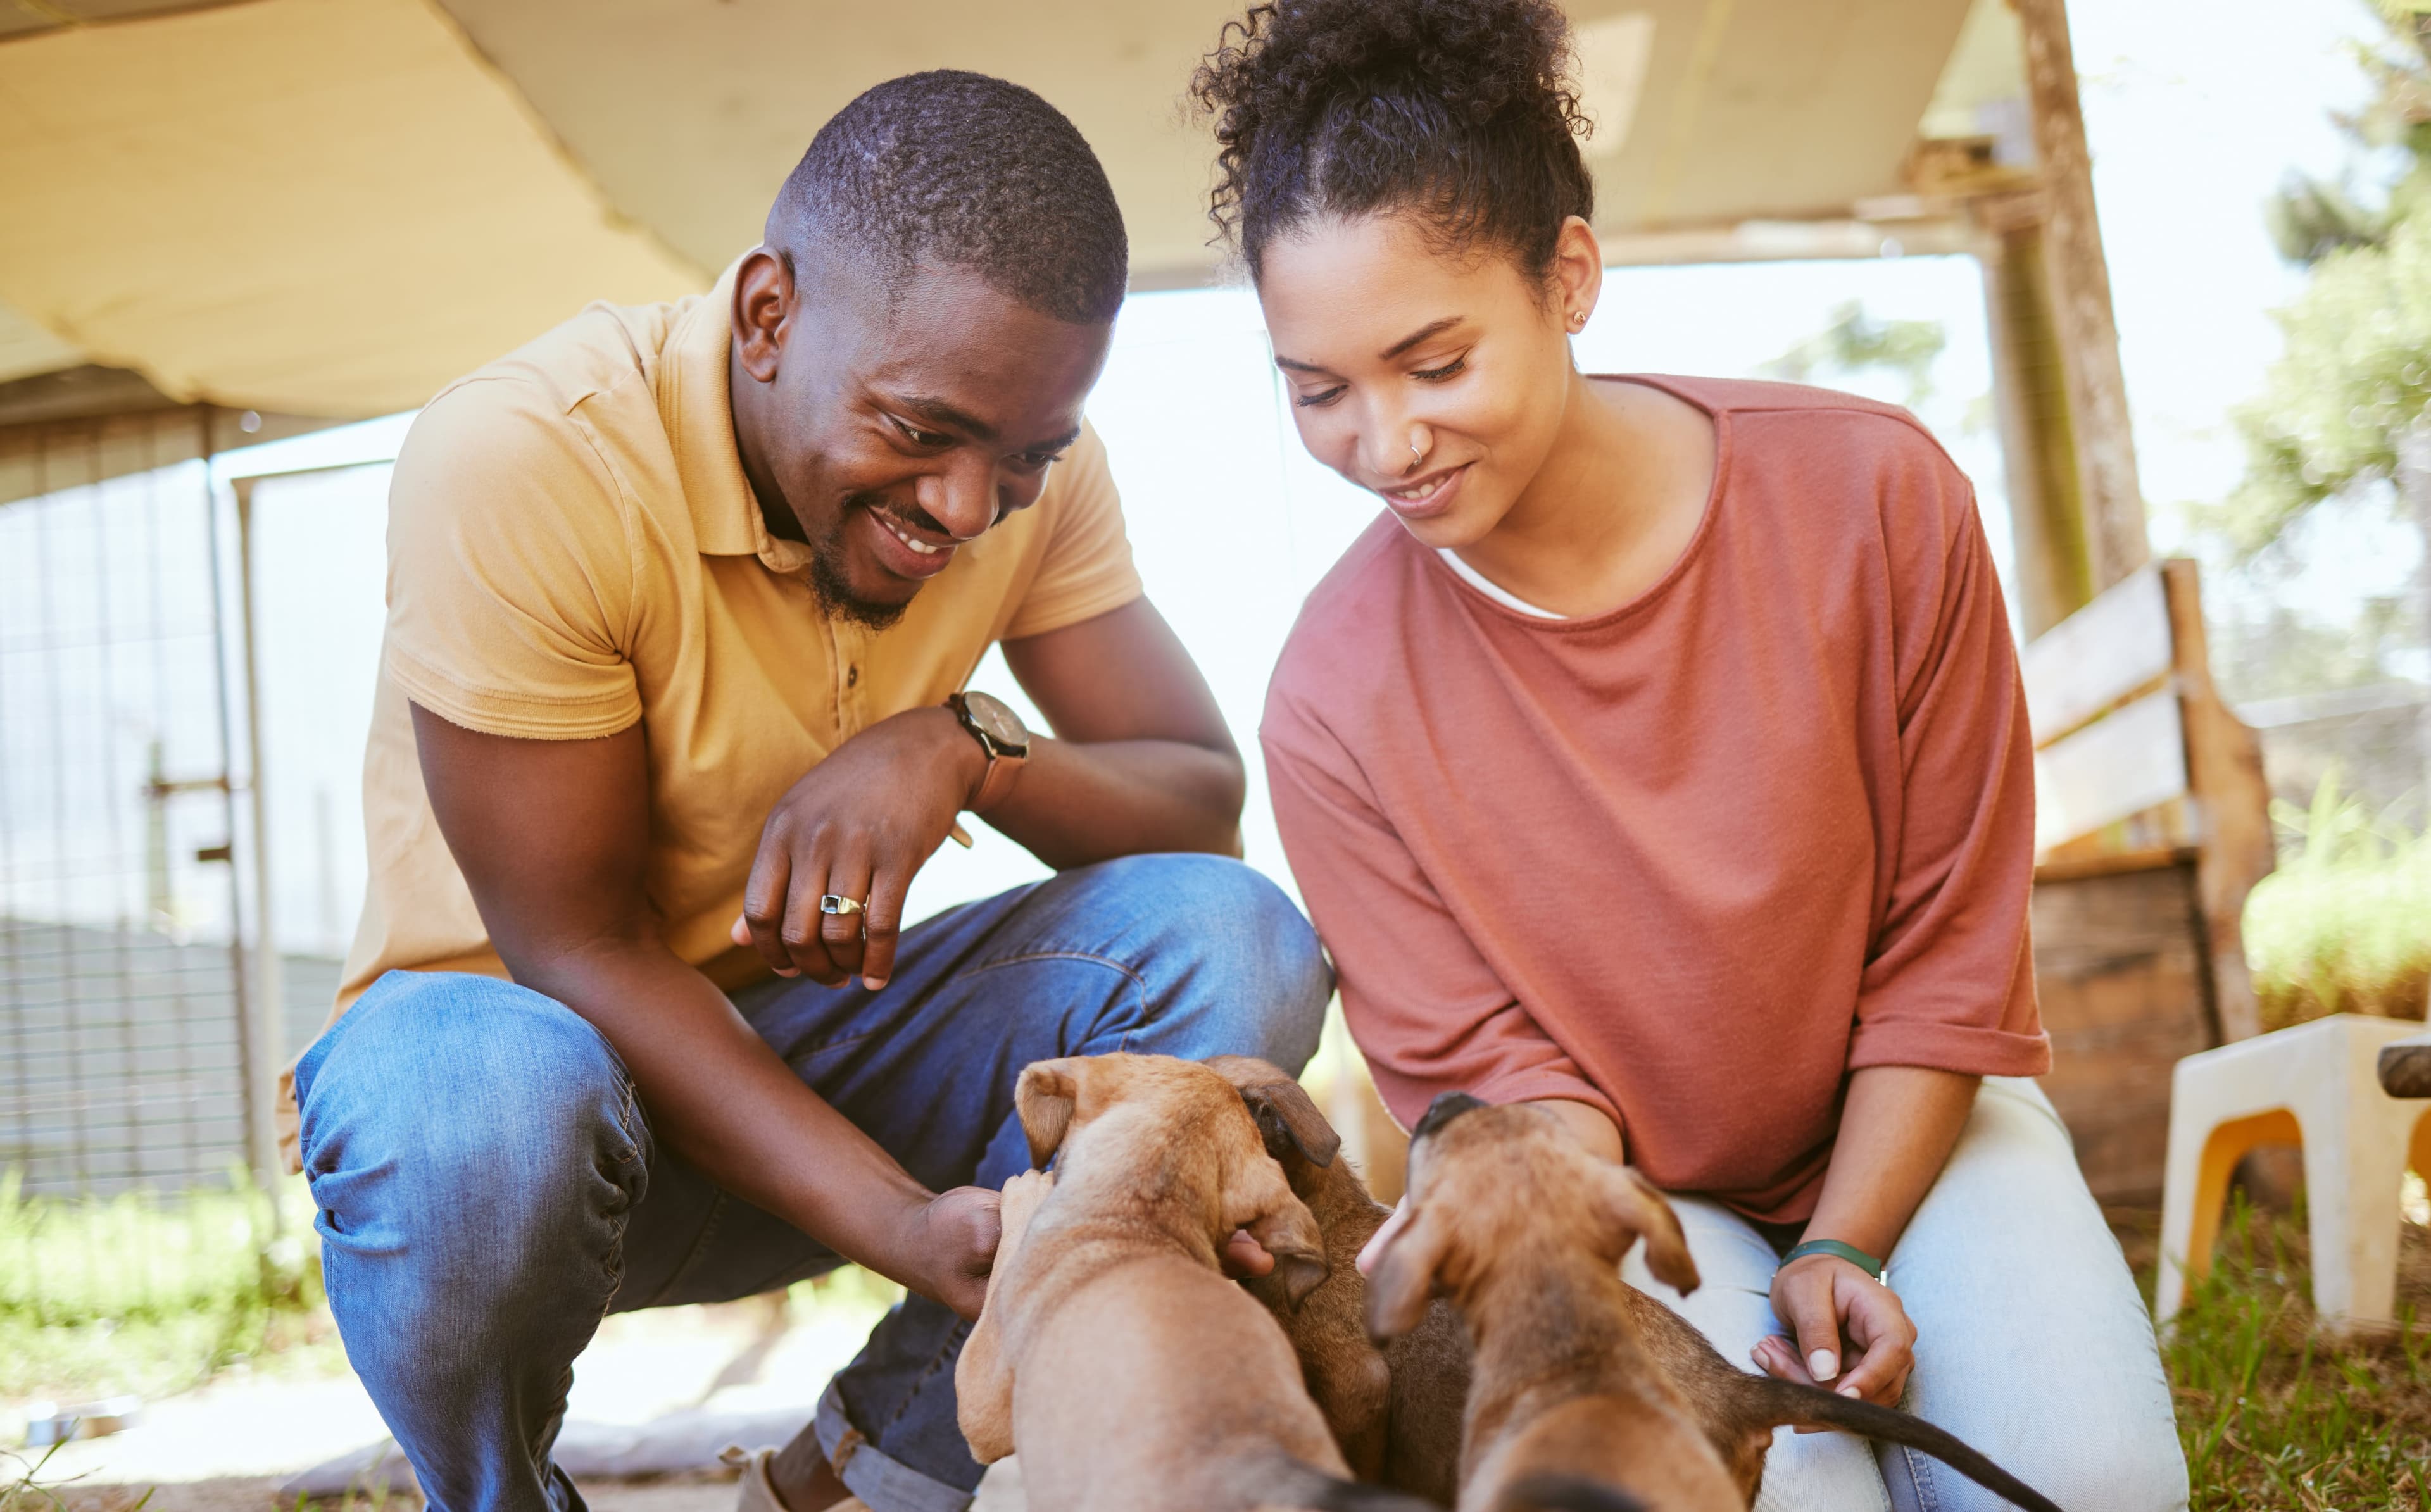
<point>886,423</point>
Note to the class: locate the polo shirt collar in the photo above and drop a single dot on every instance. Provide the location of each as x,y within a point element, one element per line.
<point>694,404</point>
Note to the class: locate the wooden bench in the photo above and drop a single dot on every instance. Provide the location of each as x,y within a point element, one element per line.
<point>2152,824</point>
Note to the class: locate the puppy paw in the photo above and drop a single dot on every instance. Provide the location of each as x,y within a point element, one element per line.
<point>1022,1195</point>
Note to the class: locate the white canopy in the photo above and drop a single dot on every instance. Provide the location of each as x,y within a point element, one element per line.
<point>329,207</point>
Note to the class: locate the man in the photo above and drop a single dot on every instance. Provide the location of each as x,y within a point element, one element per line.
<point>676,598</point>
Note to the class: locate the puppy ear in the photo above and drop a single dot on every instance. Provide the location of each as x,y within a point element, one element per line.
<point>1287,1117</point>
<point>1404,1279</point>
<point>1446,1107</point>
<point>1289,1233</point>
<point>1257,1197</point>
<point>1631,1204</point>
<point>1043,1100</point>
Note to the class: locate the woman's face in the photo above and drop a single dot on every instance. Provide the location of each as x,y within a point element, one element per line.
<point>1437,382</point>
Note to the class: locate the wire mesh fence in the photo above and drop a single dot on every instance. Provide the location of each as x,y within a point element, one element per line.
<point>123,1053</point>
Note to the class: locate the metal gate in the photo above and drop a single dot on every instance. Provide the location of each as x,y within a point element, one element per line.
<point>126,1058</point>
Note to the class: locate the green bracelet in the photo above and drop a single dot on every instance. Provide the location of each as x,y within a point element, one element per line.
<point>1835,1248</point>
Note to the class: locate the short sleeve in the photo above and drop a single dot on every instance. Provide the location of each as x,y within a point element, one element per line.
<point>1426,1008</point>
<point>511,569</point>
<point>1087,567</point>
<point>1949,981</point>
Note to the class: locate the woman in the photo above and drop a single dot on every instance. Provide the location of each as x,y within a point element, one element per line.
<point>1660,756</point>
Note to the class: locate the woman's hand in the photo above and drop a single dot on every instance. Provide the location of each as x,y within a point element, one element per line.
<point>1839,1314</point>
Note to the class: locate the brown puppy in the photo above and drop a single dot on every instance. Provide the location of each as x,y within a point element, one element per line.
<point>1110,1349</point>
<point>1582,1383</point>
<point>1407,1433</point>
<point>1396,1413</point>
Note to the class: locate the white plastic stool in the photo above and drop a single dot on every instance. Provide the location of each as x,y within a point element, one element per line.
<point>2317,1085</point>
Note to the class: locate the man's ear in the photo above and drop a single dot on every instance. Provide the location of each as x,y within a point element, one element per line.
<point>1631,1205</point>
<point>763,296</point>
<point>1404,1281</point>
<point>1043,1100</point>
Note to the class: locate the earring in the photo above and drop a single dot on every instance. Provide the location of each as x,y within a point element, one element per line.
<point>1577,320</point>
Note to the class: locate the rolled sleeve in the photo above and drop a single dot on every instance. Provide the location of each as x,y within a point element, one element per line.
<point>1950,981</point>
<point>510,571</point>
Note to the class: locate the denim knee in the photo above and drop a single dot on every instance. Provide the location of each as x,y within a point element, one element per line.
<point>484,1134</point>
<point>1231,952</point>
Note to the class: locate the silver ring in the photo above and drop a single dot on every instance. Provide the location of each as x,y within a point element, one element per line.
<point>836,903</point>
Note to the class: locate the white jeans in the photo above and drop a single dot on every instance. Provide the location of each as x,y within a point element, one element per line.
<point>2032,1342</point>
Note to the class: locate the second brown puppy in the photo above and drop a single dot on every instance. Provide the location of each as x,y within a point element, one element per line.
<point>1395,1411</point>
<point>1583,1386</point>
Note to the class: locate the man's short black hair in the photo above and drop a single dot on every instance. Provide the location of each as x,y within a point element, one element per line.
<point>968,171</point>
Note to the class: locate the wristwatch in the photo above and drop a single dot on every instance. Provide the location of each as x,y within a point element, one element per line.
<point>1002,734</point>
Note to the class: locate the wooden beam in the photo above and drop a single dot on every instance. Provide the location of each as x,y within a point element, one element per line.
<point>2047,523</point>
<point>1920,231</point>
<point>87,425</point>
<point>2225,773</point>
<point>2079,279</point>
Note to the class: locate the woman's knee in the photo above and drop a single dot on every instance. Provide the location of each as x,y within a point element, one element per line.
<point>2126,1464</point>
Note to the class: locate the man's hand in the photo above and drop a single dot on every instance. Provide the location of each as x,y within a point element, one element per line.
<point>954,1237</point>
<point>1839,1314</point>
<point>860,825</point>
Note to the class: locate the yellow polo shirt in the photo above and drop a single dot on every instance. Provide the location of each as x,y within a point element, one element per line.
<point>573,550</point>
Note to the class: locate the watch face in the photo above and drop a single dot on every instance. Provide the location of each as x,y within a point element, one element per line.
<point>1000,723</point>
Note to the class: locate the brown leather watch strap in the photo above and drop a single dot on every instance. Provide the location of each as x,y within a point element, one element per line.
<point>1003,769</point>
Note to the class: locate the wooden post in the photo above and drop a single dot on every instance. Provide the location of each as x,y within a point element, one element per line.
<point>2235,848</point>
<point>2046,513</point>
<point>2079,284</point>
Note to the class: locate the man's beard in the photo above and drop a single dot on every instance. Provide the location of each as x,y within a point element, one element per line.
<point>834,588</point>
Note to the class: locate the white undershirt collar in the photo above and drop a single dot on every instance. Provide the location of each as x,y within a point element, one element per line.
<point>1490,589</point>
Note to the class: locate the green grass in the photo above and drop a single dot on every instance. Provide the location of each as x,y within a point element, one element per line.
<point>2344,925</point>
<point>151,1296</point>
<point>2276,1414</point>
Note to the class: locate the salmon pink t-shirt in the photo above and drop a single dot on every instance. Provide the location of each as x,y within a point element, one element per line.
<point>1694,860</point>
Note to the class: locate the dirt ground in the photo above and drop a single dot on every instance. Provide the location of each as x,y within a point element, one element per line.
<point>257,1494</point>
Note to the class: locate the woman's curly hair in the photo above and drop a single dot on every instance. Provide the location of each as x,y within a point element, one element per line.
<point>1460,111</point>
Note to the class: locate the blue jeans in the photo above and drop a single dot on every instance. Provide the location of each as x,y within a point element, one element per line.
<point>489,1189</point>
<point>2032,1342</point>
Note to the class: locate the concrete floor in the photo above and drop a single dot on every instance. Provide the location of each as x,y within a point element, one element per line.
<point>678,1382</point>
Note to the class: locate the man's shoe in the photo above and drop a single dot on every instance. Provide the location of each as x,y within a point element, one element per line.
<point>758,1492</point>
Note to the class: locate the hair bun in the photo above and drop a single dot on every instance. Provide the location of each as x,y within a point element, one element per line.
<point>1479,57</point>
<point>1350,106</point>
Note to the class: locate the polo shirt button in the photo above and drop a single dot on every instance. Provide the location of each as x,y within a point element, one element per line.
<point>852,676</point>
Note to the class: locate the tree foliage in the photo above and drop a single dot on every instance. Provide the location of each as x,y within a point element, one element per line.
<point>2355,376</point>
